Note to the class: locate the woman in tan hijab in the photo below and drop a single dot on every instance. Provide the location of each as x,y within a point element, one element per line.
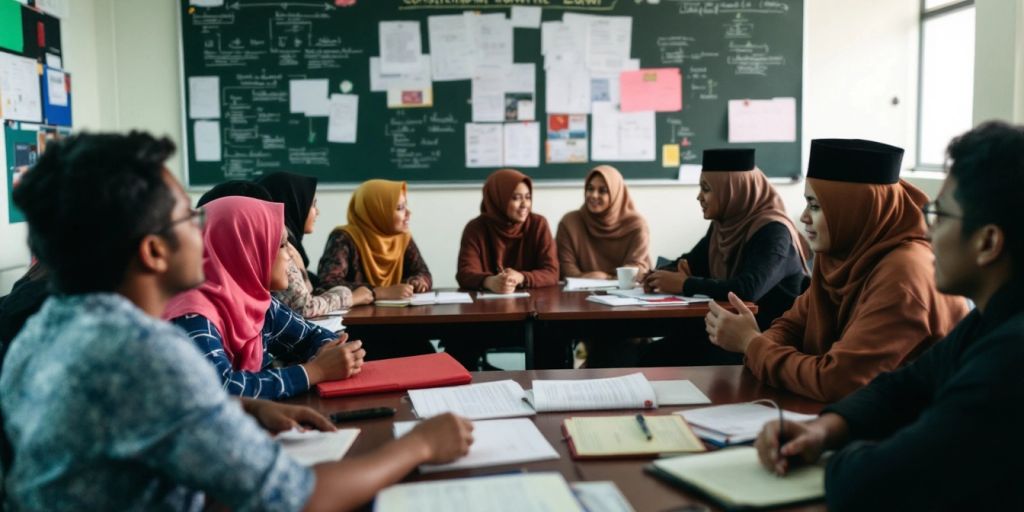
<point>605,233</point>
<point>374,255</point>
<point>507,246</point>
<point>872,305</point>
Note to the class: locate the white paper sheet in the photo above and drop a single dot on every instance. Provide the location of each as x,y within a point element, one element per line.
<point>56,8</point>
<point>737,423</point>
<point>56,88</point>
<point>309,97</point>
<point>555,37</point>
<point>484,145</point>
<point>575,284</point>
<point>429,298</point>
<point>678,392</point>
<point>54,61</point>
<point>331,323</point>
<point>312,447</point>
<point>20,95</point>
<point>497,94</point>
<point>491,36</point>
<point>502,296</point>
<point>520,492</point>
<point>601,497</point>
<point>771,120</point>
<point>522,144</point>
<point>206,135</point>
<point>204,97</point>
<point>627,392</point>
<point>417,78</point>
<point>567,90</point>
<point>454,56</point>
<point>343,118</point>
<point>526,17</point>
<point>400,46</point>
<point>608,42</point>
<point>500,399</point>
<point>488,97</point>
<point>622,136</point>
<point>206,3</point>
<point>495,443</point>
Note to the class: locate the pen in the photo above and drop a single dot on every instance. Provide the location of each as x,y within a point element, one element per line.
<point>643,426</point>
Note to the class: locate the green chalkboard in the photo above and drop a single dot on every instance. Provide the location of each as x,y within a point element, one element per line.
<point>725,50</point>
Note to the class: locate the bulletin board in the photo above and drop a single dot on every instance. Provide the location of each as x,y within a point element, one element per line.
<point>273,86</point>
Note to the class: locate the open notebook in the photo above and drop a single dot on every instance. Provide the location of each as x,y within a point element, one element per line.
<point>622,436</point>
<point>521,491</point>
<point>495,443</point>
<point>428,299</point>
<point>723,425</point>
<point>632,391</point>
<point>734,478</point>
<point>311,447</point>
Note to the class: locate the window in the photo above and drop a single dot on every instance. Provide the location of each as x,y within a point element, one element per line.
<point>946,79</point>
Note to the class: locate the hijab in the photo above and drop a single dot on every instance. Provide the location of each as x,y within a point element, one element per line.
<point>749,202</point>
<point>371,225</point>
<point>297,193</point>
<point>241,240</point>
<point>498,191</point>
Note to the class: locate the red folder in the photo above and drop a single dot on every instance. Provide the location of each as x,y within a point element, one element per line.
<point>399,374</point>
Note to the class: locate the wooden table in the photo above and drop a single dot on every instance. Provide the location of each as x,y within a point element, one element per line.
<point>544,324</point>
<point>723,384</point>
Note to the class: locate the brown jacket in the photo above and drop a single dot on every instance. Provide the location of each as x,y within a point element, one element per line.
<point>482,255</point>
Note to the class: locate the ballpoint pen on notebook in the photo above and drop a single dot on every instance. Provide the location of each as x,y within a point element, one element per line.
<point>643,427</point>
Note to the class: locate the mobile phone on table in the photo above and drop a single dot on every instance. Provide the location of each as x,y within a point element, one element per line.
<point>362,414</point>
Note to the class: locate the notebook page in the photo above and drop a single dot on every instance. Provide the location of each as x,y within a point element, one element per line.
<point>495,442</point>
<point>738,422</point>
<point>501,493</point>
<point>501,399</point>
<point>312,447</point>
<point>626,392</point>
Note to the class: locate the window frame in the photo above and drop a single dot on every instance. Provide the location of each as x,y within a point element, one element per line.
<point>925,16</point>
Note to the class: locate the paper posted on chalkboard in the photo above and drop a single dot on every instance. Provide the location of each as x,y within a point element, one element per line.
<point>771,120</point>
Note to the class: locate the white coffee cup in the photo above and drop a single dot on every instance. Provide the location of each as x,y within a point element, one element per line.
<point>627,277</point>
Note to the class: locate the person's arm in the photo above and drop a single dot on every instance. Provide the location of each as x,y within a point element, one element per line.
<point>566,252</point>
<point>546,271</point>
<point>268,383</point>
<point>697,258</point>
<point>961,444</point>
<point>290,337</point>
<point>763,263</point>
<point>472,269</point>
<point>298,293</point>
<point>874,340</point>
<point>332,300</point>
<point>415,269</point>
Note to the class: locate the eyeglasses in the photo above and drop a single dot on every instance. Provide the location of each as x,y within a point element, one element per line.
<point>197,216</point>
<point>932,214</point>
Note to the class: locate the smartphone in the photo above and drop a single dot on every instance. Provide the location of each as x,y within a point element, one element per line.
<point>362,414</point>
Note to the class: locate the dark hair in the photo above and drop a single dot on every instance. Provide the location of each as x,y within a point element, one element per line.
<point>89,200</point>
<point>242,188</point>
<point>988,165</point>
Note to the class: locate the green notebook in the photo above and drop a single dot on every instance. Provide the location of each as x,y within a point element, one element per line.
<point>734,478</point>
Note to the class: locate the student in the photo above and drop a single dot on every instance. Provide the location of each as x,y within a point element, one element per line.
<point>235,322</point>
<point>944,431</point>
<point>751,249</point>
<point>605,233</point>
<point>298,194</point>
<point>105,406</point>
<point>374,255</point>
<point>229,188</point>
<point>507,246</point>
<point>872,305</point>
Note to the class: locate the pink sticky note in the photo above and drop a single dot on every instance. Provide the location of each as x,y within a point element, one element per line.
<point>657,89</point>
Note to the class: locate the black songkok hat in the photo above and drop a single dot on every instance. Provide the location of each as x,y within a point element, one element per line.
<point>854,160</point>
<point>740,159</point>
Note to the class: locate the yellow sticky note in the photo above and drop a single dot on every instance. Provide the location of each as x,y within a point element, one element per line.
<point>670,155</point>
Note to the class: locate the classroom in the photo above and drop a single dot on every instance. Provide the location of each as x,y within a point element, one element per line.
<point>796,235</point>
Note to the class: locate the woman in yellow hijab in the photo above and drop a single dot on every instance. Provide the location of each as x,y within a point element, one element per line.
<point>374,254</point>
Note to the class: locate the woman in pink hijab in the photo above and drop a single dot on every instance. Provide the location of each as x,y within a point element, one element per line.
<point>235,322</point>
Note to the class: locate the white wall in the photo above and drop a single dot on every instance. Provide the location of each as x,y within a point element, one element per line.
<point>857,57</point>
<point>999,75</point>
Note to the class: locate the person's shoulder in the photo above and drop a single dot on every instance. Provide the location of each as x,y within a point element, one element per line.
<point>910,259</point>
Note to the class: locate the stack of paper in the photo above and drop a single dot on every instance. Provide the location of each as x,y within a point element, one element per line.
<point>312,447</point>
<point>614,301</point>
<point>500,399</point>
<point>735,423</point>
<point>491,295</point>
<point>330,321</point>
<point>427,299</point>
<point>575,284</point>
<point>622,436</point>
<point>627,392</point>
<point>526,491</point>
<point>735,479</point>
<point>601,497</point>
<point>495,443</point>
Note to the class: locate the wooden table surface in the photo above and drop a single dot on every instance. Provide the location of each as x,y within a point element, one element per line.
<point>722,384</point>
<point>551,303</point>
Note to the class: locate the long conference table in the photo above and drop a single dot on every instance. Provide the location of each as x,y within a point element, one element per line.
<point>722,384</point>
<point>543,322</point>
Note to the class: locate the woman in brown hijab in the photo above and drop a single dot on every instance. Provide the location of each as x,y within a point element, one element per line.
<point>605,233</point>
<point>374,255</point>
<point>507,246</point>
<point>872,305</point>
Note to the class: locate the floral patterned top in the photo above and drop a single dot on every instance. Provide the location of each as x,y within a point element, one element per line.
<point>108,408</point>
<point>341,265</point>
<point>300,296</point>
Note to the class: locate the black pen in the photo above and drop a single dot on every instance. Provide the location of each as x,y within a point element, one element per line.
<point>643,426</point>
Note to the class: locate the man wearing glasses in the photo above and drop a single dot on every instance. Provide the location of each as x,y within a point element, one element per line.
<point>943,432</point>
<point>105,406</point>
